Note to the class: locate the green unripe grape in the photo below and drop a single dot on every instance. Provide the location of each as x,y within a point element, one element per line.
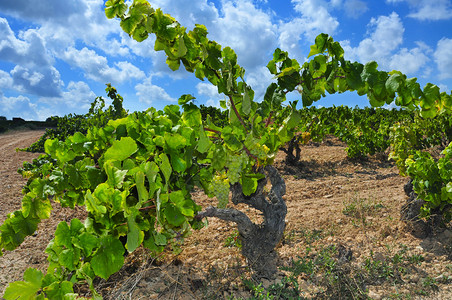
<point>236,165</point>
<point>220,188</point>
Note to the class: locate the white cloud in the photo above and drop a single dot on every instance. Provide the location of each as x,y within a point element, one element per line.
<point>33,72</point>
<point>97,68</point>
<point>433,10</point>
<point>38,11</point>
<point>444,88</point>
<point>314,19</point>
<point>6,81</point>
<point>427,9</point>
<point>150,93</point>
<point>355,8</point>
<point>247,30</point>
<point>385,35</point>
<point>237,24</point>
<point>78,96</point>
<point>443,58</point>
<point>198,12</point>
<point>210,92</point>
<point>408,61</point>
<point>43,82</point>
<point>259,80</point>
<point>17,107</point>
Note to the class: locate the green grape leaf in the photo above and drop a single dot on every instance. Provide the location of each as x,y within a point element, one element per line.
<point>204,142</point>
<point>143,194</point>
<point>369,71</point>
<point>27,289</point>
<point>393,83</point>
<point>115,175</point>
<point>182,49</point>
<point>175,141</point>
<point>69,258</point>
<point>320,44</point>
<point>184,205</point>
<point>271,66</point>
<point>293,119</point>
<point>174,64</point>
<point>87,243</point>
<point>59,290</point>
<point>219,158</point>
<point>178,162</point>
<point>230,139</point>
<point>74,176</point>
<point>40,208</point>
<point>15,228</point>
<point>104,194</point>
<point>63,235</point>
<point>122,149</point>
<point>115,8</point>
<point>160,239</point>
<point>92,205</point>
<point>134,235</point>
<point>151,244</point>
<point>185,99</point>
<point>246,102</point>
<point>431,95</point>
<point>151,169</point>
<point>108,258</point>
<point>173,215</point>
<point>249,183</point>
<point>165,166</point>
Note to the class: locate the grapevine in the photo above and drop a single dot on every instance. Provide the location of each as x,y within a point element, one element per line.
<point>134,173</point>
<point>220,188</point>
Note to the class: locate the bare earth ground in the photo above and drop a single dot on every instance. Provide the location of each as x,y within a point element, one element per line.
<point>331,201</point>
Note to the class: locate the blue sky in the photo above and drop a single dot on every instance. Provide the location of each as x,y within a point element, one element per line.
<point>56,56</point>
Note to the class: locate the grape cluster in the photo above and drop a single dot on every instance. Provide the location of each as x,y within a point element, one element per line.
<point>220,188</point>
<point>305,137</point>
<point>235,166</point>
<point>260,151</point>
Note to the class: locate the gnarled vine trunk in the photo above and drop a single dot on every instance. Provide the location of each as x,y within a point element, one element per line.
<point>258,240</point>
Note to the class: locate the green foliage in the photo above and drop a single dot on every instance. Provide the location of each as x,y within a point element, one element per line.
<point>134,173</point>
<point>70,124</point>
<point>418,133</point>
<point>432,181</point>
<point>216,115</point>
<point>365,131</point>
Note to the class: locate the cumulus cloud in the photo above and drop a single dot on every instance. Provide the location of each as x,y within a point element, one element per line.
<point>247,30</point>
<point>355,8</point>
<point>62,23</point>
<point>385,37</point>
<point>38,11</point>
<point>20,106</point>
<point>427,9</point>
<point>151,94</point>
<point>34,72</point>
<point>198,12</point>
<point>385,34</point>
<point>6,81</point>
<point>314,18</point>
<point>237,24</point>
<point>97,68</point>
<point>76,98</point>
<point>409,61</point>
<point>443,58</point>
<point>210,92</point>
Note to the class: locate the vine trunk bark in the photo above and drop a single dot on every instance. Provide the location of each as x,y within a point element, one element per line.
<point>259,241</point>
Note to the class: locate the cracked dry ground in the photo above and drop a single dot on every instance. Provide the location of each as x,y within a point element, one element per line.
<point>331,200</point>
